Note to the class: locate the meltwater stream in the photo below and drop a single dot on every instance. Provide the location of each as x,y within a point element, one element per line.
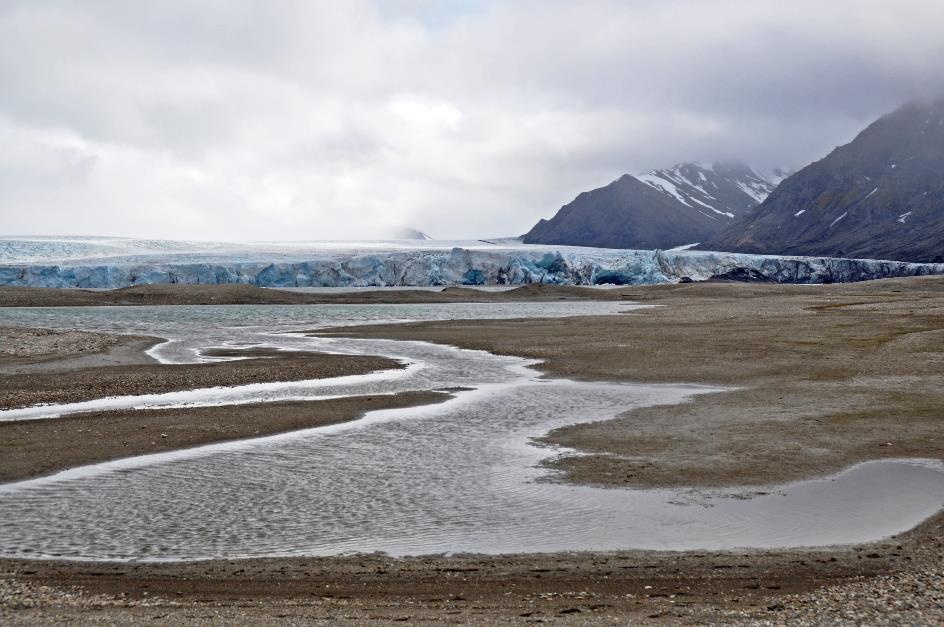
<point>460,476</point>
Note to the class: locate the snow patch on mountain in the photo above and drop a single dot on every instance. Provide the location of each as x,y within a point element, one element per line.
<point>664,185</point>
<point>833,223</point>
<point>759,192</point>
<point>726,189</point>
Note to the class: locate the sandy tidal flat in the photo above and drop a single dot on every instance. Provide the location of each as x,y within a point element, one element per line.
<point>821,377</point>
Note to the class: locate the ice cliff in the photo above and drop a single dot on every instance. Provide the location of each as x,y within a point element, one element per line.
<point>389,264</point>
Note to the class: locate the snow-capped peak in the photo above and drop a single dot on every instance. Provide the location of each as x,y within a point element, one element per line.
<point>718,190</point>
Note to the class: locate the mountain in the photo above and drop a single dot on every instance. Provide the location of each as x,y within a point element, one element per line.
<point>879,197</point>
<point>627,213</point>
<point>725,190</point>
<point>407,233</point>
<point>681,205</point>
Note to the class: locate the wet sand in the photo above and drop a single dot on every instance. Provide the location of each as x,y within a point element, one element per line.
<point>25,346</point>
<point>44,366</point>
<point>891,582</point>
<point>82,375</point>
<point>821,376</point>
<point>29,448</point>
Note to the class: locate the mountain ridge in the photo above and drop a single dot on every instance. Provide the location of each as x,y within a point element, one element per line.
<point>726,188</point>
<point>687,203</point>
<point>880,196</point>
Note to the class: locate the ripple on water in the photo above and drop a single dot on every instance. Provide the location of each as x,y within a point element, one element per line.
<point>457,476</point>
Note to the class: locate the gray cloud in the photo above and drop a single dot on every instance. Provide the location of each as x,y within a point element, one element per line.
<point>304,120</point>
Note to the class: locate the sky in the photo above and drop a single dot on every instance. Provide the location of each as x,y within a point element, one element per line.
<point>308,119</point>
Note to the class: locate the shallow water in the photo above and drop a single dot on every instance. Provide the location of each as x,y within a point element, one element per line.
<point>458,476</point>
<point>195,326</point>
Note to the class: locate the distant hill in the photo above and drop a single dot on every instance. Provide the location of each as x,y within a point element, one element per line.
<point>409,234</point>
<point>685,204</point>
<point>879,197</point>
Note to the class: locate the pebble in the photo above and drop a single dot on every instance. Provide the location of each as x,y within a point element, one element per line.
<point>19,342</point>
<point>913,597</point>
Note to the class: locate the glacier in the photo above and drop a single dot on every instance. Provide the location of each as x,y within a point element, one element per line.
<point>108,263</point>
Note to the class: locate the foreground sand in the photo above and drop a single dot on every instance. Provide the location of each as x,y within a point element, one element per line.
<point>893,582</point>
<point>824,376</point>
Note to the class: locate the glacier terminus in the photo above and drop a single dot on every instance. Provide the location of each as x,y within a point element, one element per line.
<point>107,263</point>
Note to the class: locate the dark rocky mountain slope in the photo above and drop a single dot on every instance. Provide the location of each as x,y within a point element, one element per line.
<point>627,213</point>
<point>879,197</point>
<point>682,205</point>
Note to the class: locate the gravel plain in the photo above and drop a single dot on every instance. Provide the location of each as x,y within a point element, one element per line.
<point>820,377</point>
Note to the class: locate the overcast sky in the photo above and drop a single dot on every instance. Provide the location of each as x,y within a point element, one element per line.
<point>272,119</point>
